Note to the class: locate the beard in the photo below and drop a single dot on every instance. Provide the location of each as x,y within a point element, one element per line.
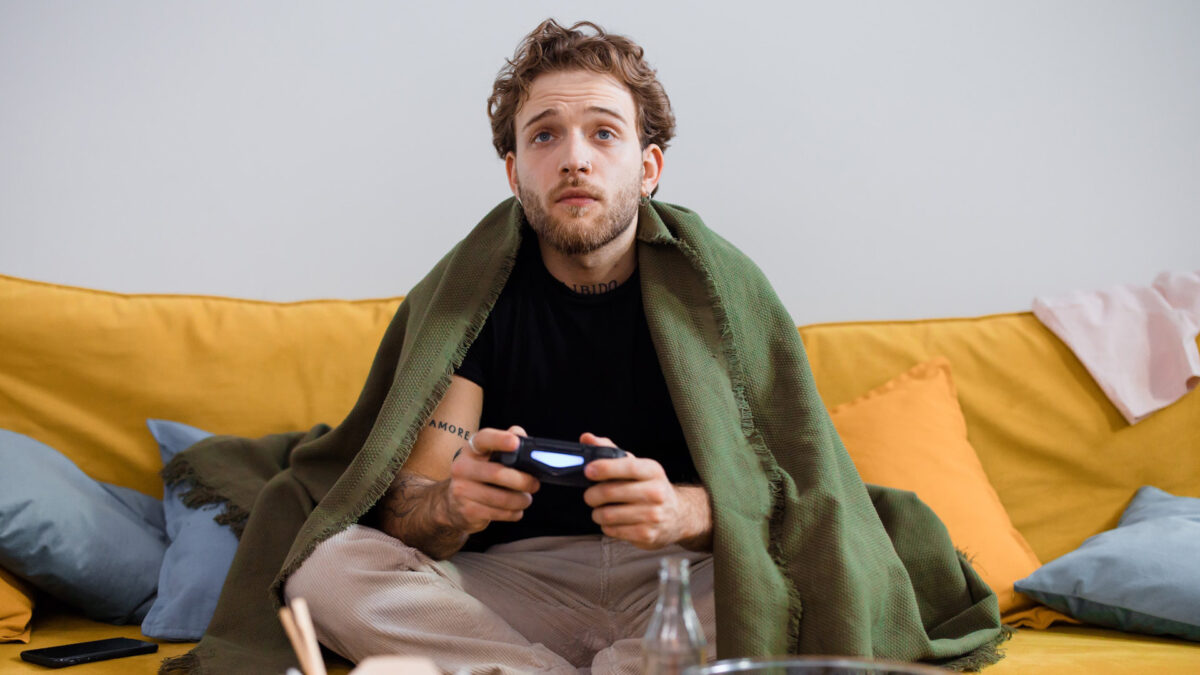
<point>578,234</point>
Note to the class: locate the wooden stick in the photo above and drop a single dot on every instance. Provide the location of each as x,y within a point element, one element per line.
<point>294,636</point>
<point>305,624</point>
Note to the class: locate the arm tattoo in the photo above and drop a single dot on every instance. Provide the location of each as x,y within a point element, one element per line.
<point>414,511</point>
<point>460,431</point>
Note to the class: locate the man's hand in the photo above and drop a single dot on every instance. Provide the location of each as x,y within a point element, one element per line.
<point>636,503</point>
<point>480,491</point>
<point>436,516</point>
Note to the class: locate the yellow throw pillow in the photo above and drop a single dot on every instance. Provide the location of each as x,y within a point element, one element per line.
<point>1062,458</point>
<point>909,434</point>
<point>16,609</point>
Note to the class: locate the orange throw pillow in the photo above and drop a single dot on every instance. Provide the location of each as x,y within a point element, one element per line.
<point>909,433</point>
<point>16,609</point>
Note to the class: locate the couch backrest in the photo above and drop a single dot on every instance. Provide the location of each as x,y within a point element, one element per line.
<point>1062,459</point>
<point>81,370</point>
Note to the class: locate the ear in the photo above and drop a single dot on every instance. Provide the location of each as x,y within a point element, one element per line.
<point>652,166</point>
<point>510,169</point>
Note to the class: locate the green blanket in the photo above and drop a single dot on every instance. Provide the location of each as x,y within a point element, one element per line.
<point>807,559</point>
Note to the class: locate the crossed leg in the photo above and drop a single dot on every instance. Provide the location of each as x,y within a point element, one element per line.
<point>545,605</point>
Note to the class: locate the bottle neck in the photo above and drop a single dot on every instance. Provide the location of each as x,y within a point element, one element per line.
<point>674,638</point>
<point>673,584</point>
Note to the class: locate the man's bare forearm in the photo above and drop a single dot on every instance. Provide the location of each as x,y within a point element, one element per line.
<point>414,510</point>
<point>697,516</point>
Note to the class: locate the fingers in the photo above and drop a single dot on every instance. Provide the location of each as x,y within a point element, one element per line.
<point>633,501</point>
<point>616,515</point>
<point>645,514</point>
<point>476,465</point>
<point>478,469</point>
<point>625,468</point>
<point>629,492</point>
<point>481,502</point>
<point>481,490</point>
<point>644,526</point>
<point>487,440</point>
<point>588,438</point>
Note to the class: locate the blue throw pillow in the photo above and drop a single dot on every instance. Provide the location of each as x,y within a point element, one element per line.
<point>198,556</point>
<point>1142,577</point>
<point>145,508</point>
<point>70,536</point>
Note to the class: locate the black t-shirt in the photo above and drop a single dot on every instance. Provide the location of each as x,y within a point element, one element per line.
<point>559,363</point>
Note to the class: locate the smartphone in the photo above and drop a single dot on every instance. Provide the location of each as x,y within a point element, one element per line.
<point>86,652</point>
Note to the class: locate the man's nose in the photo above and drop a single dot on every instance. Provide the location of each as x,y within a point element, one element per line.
<point>576,156</point>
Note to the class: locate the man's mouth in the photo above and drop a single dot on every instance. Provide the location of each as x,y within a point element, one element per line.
<point>576,197</point>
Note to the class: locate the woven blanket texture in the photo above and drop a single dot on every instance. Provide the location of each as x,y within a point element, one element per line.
<point>808,559</point>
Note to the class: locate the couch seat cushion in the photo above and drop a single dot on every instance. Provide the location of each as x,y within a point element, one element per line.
<point>57,625</point>
<point>16,608</point>
<point>1080,650</point>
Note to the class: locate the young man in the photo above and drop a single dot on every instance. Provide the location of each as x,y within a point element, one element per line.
<point>580,309</point>
<point>567,354</point>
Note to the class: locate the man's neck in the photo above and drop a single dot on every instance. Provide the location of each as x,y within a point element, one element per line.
<point>601,270</point>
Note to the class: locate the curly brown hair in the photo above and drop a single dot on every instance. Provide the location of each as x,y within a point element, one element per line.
<point>550,47</point>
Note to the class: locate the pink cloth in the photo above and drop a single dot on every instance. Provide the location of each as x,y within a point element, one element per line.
<point>1138,342</point>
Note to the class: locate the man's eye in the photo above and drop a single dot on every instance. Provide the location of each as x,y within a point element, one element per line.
<point>542,137</point>
<point>605,135</point>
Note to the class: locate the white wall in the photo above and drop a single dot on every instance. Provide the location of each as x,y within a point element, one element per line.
<point>878,159</point>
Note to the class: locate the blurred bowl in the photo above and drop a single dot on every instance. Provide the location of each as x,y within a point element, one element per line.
<point>812,665</point>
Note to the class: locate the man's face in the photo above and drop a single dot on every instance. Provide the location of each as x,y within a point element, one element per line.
<point>579,168</point>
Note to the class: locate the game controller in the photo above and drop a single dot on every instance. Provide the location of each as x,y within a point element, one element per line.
<point>555,462</point>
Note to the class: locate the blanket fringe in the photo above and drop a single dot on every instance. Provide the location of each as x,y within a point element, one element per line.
<point>179,471</point>
<point>776,481</point>
<point>795,602</point>
<point>982,656</point>
<point>179,665</point>
<point>383,481</point>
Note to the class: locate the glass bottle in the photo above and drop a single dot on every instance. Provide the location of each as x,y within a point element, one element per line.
<point>674,639</point>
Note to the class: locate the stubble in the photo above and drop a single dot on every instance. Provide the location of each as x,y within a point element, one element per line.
<point>579,234</point>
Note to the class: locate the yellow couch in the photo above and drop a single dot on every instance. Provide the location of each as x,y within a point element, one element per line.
<point>81,371</point>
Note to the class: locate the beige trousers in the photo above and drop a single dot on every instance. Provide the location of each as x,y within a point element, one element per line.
<point>542,605</point>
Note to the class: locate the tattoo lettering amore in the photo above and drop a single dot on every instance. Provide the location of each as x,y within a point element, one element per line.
<point>461,432</point>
